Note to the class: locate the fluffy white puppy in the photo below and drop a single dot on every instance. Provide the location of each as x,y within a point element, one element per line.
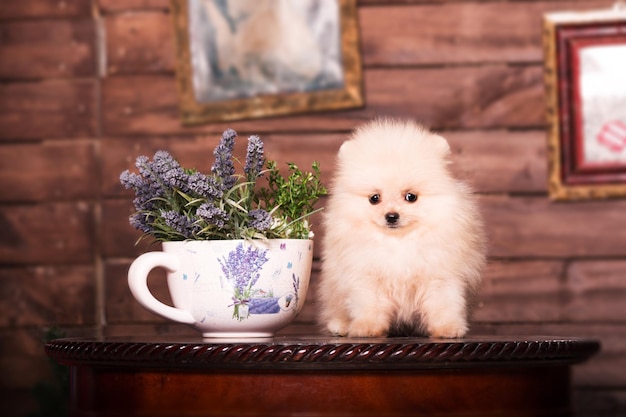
<point>404,246</point>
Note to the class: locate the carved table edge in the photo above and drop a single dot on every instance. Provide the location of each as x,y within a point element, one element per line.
<point>319,354</point>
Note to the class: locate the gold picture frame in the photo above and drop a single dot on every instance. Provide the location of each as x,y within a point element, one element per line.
<point>586,112</point>
<point>237,87</point>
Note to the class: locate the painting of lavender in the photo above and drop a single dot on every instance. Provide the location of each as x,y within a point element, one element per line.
<point>242,268</point>
<point>245,48</point>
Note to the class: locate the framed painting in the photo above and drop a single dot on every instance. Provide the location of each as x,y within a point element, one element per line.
<point>585,77</point>
<point>242,59</point>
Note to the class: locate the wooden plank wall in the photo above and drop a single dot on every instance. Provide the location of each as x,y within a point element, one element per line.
<point>86,86</point>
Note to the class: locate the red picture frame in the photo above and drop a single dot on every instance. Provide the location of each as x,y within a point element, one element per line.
<point>585,77</point>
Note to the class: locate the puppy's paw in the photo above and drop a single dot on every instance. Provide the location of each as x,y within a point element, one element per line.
<point>448,330</point>
<point>368,328</point>
<point>337,327</point>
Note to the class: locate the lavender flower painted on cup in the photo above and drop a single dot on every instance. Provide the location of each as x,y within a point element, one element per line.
<point>296,288</point>
<point>242,268</point>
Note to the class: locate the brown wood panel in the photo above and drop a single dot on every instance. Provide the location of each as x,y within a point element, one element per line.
<point>148,105</point>
<point>308,314</point>
<point>47,49</point>
<point>40,296</point>
<point>468,97</point>
<point>18,402</point>
<point>596,291</point>
<point>536,227</point>
<point>47,109</point>
<point>594,402</point>
<point>521,291</point>
<point>139,42</point>
<point>110,6</point>
<point>55,233</point>
<point>121,307</point>
<point>459,97</point>
<point>117,236</point>
<point>19,9</point>
<point>22,358</point>
<point>25,365</point>
<point>456,32</point>
<point>50,170</point>
<point>500,161</point>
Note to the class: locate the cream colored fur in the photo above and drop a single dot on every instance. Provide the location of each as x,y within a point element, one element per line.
<point>419,275</point>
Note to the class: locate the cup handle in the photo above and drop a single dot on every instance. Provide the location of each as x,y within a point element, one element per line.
<point>138,284</point>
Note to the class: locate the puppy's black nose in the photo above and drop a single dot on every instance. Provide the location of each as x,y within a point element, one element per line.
<point>392,217</point>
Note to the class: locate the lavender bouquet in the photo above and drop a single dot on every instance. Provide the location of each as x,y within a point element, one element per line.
<point>174,203</point>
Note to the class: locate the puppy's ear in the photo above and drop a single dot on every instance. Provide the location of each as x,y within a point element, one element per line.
<point>344,148</point>
<point>442,146</point>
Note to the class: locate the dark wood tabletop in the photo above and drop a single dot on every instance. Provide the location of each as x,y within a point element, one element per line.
<point>321,376</point>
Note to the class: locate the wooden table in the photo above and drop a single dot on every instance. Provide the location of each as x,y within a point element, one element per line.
<point>313,376</point>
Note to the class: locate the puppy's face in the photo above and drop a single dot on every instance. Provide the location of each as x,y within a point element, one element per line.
<point>393,209</point>
<point>392,177</point>
<point>394,195</point>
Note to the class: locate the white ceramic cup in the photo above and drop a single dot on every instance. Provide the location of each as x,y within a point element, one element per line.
<point>228,288</point>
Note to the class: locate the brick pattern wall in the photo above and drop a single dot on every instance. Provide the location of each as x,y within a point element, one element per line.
<point>86,86</point>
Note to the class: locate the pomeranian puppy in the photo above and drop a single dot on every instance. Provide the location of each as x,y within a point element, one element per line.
<point>404,244</point>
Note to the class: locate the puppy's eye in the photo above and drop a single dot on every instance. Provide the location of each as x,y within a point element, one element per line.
<point>375,199</point>
<point>410,197</point>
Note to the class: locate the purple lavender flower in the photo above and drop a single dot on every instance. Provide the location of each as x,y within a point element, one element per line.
<point>175,203</point>
<point>224,167</point>
<point>254,158</point>
<point>243,267</point>
<point>131,180</point>
<point>155,179</point>
<point>162,172</point>
<point>145,191</point>
<point>260,219</point>
<point>203,186</point>
<point>142,163</point>
<point>213,215</point>
<point>180,223</point>
<point>141,222</point>
<point>149,175</point>
<point>168,170</point>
